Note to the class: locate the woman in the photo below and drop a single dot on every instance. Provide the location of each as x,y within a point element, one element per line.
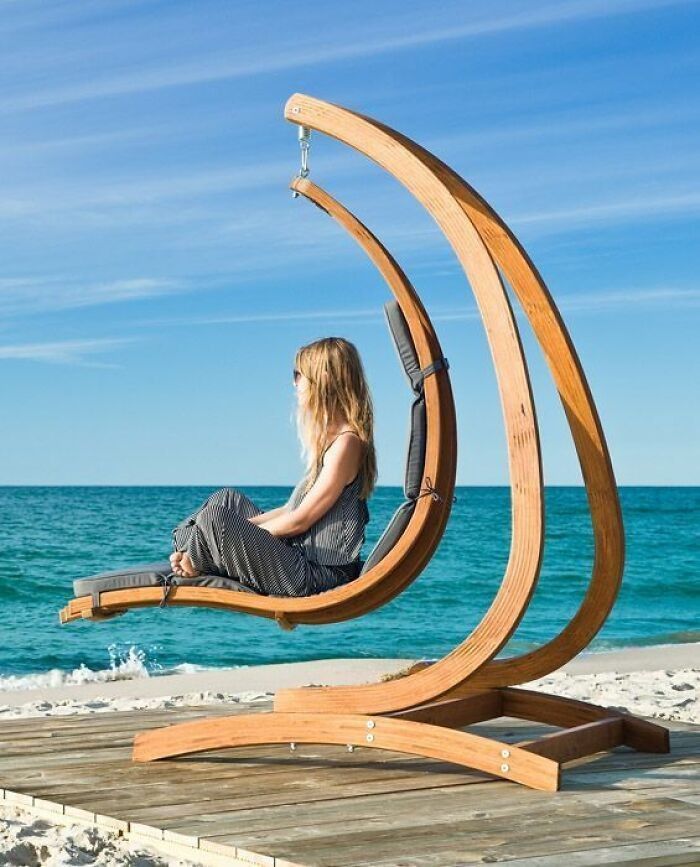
<point>312,543</point>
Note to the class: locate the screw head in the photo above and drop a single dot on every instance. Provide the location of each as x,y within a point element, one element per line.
<point>505,753</point>
<point>370,738</point>
<point>370,723</point>
<point>505,768</point>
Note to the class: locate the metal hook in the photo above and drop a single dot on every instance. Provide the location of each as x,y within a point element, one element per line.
<point>304,146</point>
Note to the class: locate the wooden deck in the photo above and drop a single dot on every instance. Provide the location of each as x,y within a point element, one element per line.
<point>326,806</point>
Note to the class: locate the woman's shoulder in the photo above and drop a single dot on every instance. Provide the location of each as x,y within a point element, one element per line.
<point>352,446</point>
<point>354,437</point>
<point>350,450</point>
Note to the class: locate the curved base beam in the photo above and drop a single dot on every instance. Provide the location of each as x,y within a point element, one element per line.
<point>431,731</point>
<point>403,736</point>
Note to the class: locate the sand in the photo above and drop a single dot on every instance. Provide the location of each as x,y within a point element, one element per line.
<point>30,841</point>
<point>661,682</point>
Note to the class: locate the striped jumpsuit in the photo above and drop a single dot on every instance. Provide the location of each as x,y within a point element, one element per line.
<point>220,540</point>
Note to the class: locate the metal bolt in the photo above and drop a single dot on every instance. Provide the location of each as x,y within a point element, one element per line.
<point>351,748</point>
<point>292,746</point>
<point>296,109</point>
<point>505,768</point>
<point>370,723</point>
<point>505,753</point>
<point>370,738</point>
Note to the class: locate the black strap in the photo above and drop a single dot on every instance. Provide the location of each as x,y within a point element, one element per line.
<point>417,376</point>
<point>429,489</point>
<point>167,582</point>
<point>438,364</point>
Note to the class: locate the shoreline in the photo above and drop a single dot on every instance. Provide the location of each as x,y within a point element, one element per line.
<point>262,681</point>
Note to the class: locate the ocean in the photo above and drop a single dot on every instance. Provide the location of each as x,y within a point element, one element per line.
<point>51,535</point>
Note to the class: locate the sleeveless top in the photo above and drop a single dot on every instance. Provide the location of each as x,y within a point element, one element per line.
<point>337,537</point>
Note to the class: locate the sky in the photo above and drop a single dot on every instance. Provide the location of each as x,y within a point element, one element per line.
<point>157,276</point>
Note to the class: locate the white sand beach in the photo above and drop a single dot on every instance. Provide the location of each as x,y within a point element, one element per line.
<point>661,682</point>
<point>657,681</point>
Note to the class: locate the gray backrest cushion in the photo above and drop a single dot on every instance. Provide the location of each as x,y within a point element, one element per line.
<point>391,535</point>
<point>403,343</point>
<point>417,432</point>
<point>415,457</point>
<point>148,575</point>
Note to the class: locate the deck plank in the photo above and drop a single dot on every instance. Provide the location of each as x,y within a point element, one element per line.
<point>322,805</point>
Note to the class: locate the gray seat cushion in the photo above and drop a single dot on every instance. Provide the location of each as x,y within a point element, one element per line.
<point>149,575</point>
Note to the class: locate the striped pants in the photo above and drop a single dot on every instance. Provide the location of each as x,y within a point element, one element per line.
<point>221,540</point>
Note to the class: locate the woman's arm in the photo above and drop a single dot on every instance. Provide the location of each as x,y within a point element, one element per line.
<point>340,465</point>
<point>266,516</point>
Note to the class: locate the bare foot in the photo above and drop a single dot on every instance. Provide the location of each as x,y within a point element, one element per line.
<point>187,567</point>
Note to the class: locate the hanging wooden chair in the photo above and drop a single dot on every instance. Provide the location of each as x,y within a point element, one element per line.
<point>413,534</point>
<point>423,712</point>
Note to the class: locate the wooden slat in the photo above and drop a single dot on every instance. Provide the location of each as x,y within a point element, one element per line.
<point>583,740</point>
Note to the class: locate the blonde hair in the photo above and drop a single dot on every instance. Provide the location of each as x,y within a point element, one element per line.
<point>337,388</point>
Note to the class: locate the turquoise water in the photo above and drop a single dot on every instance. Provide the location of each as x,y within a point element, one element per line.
<point>48,536</point>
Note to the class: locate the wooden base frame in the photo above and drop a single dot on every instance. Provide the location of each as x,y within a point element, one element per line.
<point>423,713</point>
<point>433,731</point>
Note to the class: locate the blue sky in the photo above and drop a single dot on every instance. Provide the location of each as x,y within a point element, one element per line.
<point>157,277</point>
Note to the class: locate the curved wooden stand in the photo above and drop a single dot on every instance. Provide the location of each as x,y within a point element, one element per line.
<point>429,731</point>
<point>416,713</point>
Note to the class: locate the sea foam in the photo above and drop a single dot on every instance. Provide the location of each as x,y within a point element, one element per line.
<point>124,665</point>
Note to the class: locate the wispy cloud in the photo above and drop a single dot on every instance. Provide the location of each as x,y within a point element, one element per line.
<point>77,352</point>
<point>40,15</point>
<point>589,302</point>
<point>71,143</point>
<point>92,199</point>
<point>277,58</point>
<point>631,298</point>
<point>642,207</point>
<point>369,313</point>
<point>599,302</point>
<point>27,295</point>
<point>419,239</point>
<point>585,122</point>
